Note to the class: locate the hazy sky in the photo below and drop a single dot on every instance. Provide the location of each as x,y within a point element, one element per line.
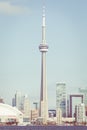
<point>20,36</point>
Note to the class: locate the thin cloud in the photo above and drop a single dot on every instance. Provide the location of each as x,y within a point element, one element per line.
<point>9,9</point>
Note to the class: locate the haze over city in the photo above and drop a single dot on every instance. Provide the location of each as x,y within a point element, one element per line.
<point>20,59</point>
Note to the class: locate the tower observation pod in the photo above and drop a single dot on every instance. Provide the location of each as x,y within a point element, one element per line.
<point>43,47</point>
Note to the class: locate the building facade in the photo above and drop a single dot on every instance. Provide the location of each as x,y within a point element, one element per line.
<point>61,98</point>
<point>34,114</point>
<point>80,113</point>
<point>71,102</point>
<point>84,92</point>
<point>59,116</point>
<point>27,111</point>
<point>17,100</point>
<point>22,103</point>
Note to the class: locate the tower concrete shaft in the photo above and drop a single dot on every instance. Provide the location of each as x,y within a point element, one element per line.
<point>43,47</point>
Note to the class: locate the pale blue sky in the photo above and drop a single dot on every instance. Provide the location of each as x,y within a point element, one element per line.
<point>20,36</point>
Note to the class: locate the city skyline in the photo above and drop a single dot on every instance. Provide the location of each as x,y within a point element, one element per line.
<point>20,30</point>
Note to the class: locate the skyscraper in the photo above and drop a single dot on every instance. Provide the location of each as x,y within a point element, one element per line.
<point>61,100</point>
<point>26,108</point>
<point>43,47</point>
<point>80,113</point>
<point>18,100</point>
<point>22,102</point>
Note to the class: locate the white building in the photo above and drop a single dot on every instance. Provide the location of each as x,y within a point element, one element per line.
<point>59,116</point>
<point>18,100</point>
<point>9,114</point>
<point>61,98</point>
<point>80,113</point>
<point>27,111</point>
<point>84,92</point>
<point>22,103</point>
<point>34,114</point>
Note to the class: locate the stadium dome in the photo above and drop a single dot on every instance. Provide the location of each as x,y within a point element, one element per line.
<point>9,114</point>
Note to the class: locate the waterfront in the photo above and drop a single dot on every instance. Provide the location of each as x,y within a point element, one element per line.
<point>43,127</point>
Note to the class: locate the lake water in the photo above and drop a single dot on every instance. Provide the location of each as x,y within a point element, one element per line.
<point>43,127</point>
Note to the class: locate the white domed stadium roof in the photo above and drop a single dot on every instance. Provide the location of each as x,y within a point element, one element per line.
<point>7,110</point>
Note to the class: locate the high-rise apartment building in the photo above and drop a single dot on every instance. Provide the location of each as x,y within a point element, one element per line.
<point>59,116</point>
<point>80,113</point>
<point>18,100</point>
<point>26,104</point>
<point>22,103</point>
<point>61,98</point>
<point>84,92</point>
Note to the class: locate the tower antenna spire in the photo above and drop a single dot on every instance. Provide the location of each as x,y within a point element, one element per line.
<point>43,25</point>
<point>43,7</point>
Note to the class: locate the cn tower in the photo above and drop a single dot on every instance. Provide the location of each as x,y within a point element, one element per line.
<point>43,47</point>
